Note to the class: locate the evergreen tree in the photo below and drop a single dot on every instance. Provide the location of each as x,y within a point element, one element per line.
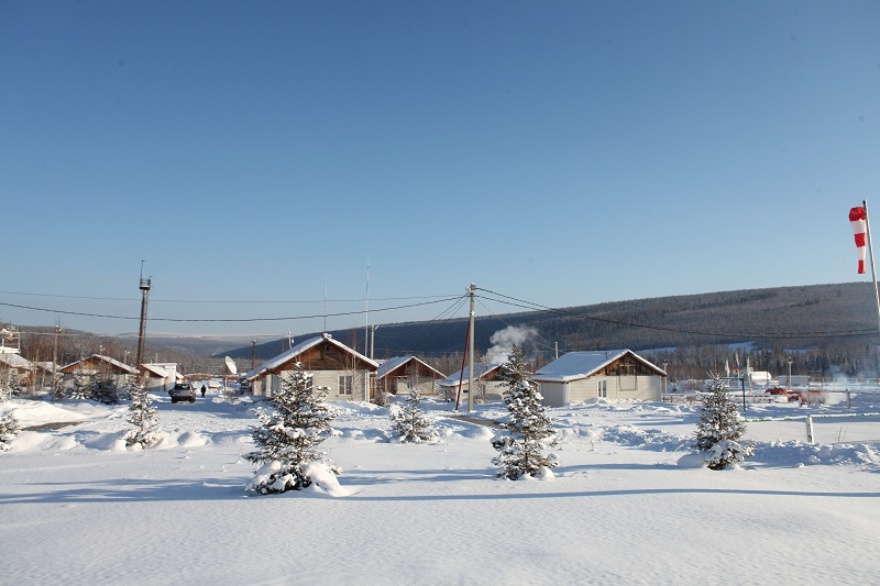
<point>142,415</point>
<point>410,422</point>
<point>8,430</point>
<point>720,429</point>
<point>82,385</point>
<point>528,430</point>
<point>104,390</point>
<point>289,435</point>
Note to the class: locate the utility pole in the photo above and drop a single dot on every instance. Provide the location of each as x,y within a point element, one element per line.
<point>145,293</point>
<point>471,291</point>
<point>253,355</point>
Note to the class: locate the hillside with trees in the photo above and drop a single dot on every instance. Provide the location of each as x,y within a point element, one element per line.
<point>824,329</point>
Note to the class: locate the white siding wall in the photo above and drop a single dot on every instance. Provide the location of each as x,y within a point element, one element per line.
<point>641,388</point>
<point>554,394</point>
<point>271,384</point>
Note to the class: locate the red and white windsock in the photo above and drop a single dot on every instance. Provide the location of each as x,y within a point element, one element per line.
<point>858,218</point>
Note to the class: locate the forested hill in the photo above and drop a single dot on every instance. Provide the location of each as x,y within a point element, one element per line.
<point>809,317</point>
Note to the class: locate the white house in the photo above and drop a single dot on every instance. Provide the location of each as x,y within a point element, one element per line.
<point>160,378</point>
<point>612,374</point>
<point>342,371</point>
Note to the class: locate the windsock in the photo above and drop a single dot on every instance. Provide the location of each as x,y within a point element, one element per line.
<point>858,218</point>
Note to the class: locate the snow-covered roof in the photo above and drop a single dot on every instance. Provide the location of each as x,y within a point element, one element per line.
<point>14,360</point>
<point>481,370</point>
<point>577,365</point>
<point>392,364</point>
<point>156,370</point>
<point>302,347</point>
<point>112,361</point>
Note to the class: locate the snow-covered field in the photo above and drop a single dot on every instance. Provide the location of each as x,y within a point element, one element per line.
<point>77,507</point>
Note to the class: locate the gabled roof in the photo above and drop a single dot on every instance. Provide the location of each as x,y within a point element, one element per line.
<point>577,365</point>
<point>111,361</point>
<point>156,370</point>
<point>481,371</point>
<point>14,360</point>
<point>292,354</point>
<point>392,364</point>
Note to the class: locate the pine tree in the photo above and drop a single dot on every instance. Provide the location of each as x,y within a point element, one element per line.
<point>528,430</point>
<point>104,390</point>
<point>142,415</point>
<point>8,430</point>
<point>289,435</point>
<point>8,423</point>
<point>410,422</point>
<point>720,429</point>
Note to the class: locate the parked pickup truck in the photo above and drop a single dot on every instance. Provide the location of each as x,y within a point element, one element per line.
<point>182,392</point>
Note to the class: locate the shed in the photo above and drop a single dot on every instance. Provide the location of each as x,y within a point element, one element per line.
<point>612,374</point>
<point>344,372</point>
<point>400,375</point>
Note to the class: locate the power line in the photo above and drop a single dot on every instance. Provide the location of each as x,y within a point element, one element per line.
<point>242,320</point>
<point>541,308</point>
<point>237,301</point>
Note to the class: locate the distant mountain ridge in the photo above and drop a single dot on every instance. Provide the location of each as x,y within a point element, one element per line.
<point>802,317</point>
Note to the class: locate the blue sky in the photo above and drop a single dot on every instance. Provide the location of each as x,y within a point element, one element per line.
<point>564,153</point>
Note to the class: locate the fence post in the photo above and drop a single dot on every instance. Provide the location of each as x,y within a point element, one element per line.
<point>848,400</point>
<point>809,422</point>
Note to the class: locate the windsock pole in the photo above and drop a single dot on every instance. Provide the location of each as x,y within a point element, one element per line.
<point>871,260</point>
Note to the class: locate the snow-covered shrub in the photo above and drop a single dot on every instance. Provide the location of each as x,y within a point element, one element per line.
<point>142,415</point>
<point>8,430</point>
<point>410,422</point>
<point>720,430</point>
<point>528,430</point>
<point>289,435</point>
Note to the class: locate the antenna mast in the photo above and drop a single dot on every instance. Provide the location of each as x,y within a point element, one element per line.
<point>145,285</point>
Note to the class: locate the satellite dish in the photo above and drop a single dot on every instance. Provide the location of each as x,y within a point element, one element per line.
<point>230,365</point>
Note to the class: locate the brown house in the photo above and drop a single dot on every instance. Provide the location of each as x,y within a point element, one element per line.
<point>342,372</point>
<point>400,375</point>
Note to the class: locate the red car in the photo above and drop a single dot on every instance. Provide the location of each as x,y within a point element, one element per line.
<point>792,395</point>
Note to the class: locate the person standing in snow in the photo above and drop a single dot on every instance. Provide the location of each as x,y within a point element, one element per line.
<point>203,391</point>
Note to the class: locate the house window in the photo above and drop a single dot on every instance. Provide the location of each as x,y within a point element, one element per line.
<point>345,381</point>
<point>602,390</point>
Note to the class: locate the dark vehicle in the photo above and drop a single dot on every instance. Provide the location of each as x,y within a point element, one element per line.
<point>183,392</point>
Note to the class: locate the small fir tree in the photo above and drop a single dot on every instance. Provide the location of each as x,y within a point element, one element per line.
<point>142,415</point>
<point>410,422</point>
<point>104,390</point>
<point>8,430</point>
<point>82,386</point>
<point>289,435</point>
<point>528,430</point>
<point>720,430</point>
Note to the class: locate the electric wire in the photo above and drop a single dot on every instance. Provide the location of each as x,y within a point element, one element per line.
<point>515,302</point>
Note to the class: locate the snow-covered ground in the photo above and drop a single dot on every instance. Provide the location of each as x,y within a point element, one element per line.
<point>77,507</point>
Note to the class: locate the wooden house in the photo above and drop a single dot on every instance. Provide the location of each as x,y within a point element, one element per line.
<point>613,374</point>
<point>98,365</point>
<point>343,372</point>
<point>402,374</point>
<point>487,385</point>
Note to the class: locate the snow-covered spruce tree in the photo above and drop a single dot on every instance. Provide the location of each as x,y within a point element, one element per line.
<point>410,422</point>
<point>142,415</point>
<point>289,435</point>
<point>528,430</point>
<point>104,390</point>
<point>8,430</point>
<point>720,430</point>
<point>82,385</point>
